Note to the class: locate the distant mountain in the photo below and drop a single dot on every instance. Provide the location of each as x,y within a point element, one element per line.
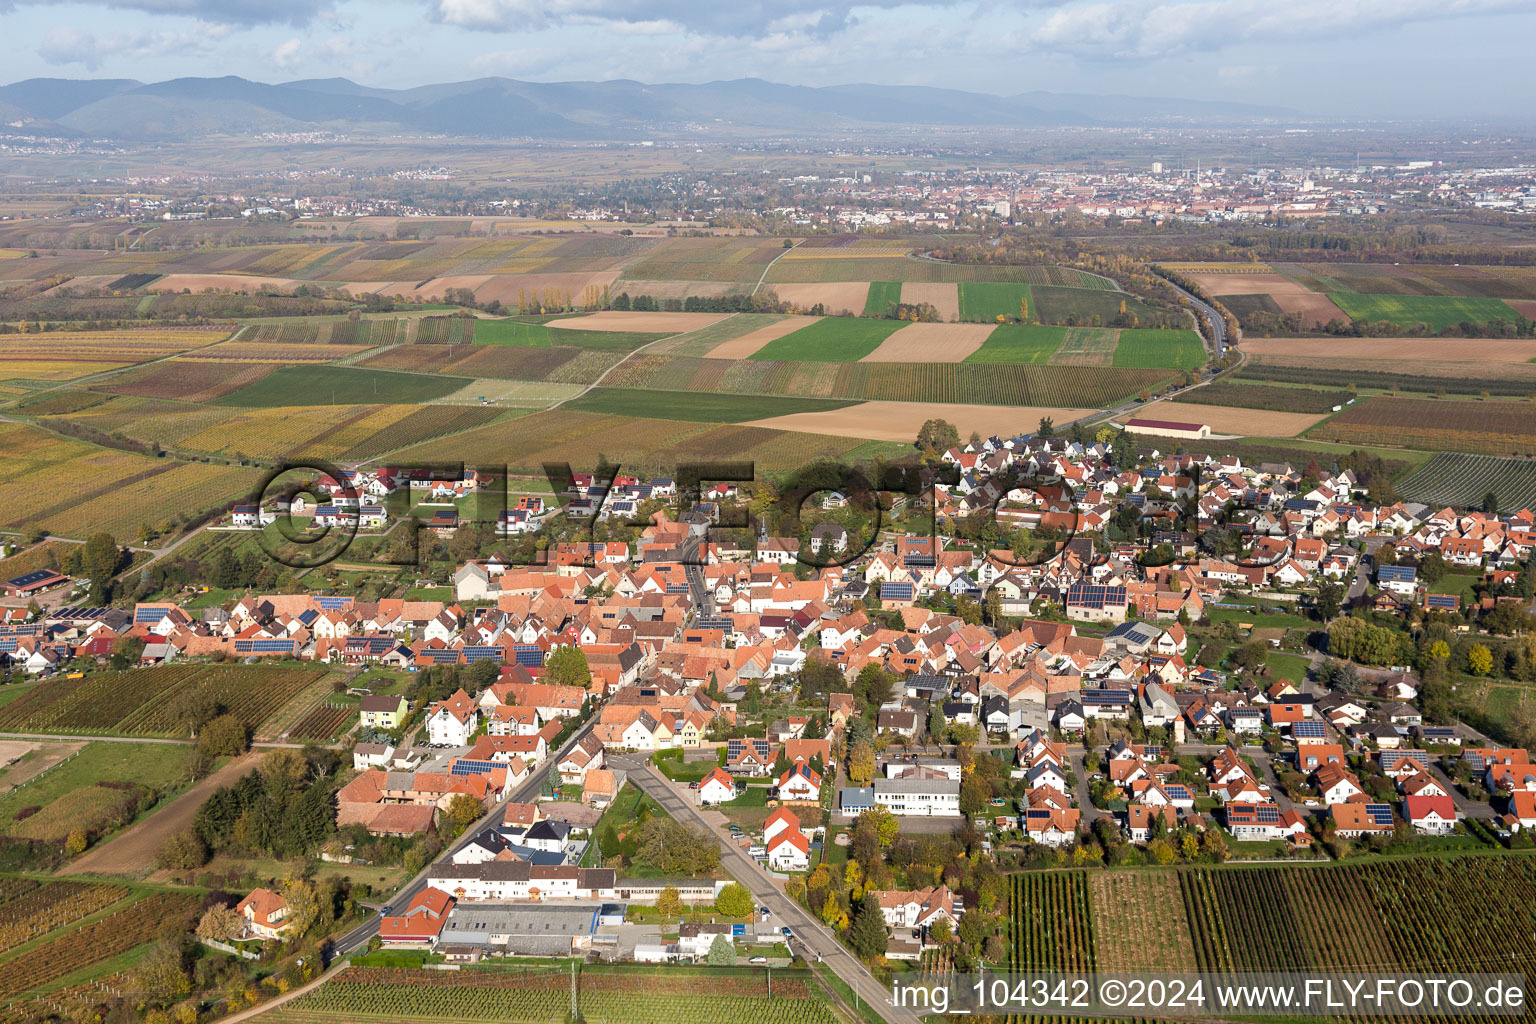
<point>187,108</point>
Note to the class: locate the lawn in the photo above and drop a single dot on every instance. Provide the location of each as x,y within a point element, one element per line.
<point>694,406</point>
<point>1287,666</point>
<point>833,339</point>
<point>882,296</point>
<point>1438,311</point>
<point>1157,350</point>
<point>986,301</point>
<point>1260,620</point>
<point>1019,343</point>
<point>1455,583</point>
<point>341,385</point>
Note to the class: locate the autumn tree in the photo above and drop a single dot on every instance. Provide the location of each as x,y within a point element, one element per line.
<point>861,763</point>
<point>183,850</point>
<point>220,923</point>
<point>938,434</point>
<point>669,904</point>
<point>734,900</point>
<point>567,666</point>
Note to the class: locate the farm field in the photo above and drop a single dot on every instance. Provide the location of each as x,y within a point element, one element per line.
<point>1019,343</point>
<point>882,298</point>
<point>339,385</point>
<point>835,297</point>
<point>830,340</point>
<point>1052,923</point>
<point>1438,311</point>
<point>1139,933</point>
<point>1456,478</point>
<point>1088,387</point>
<point>32,908</point>
<point>121,510</point>
<point>186,380</point>
<point>987,301</point>
<point>1491,428</point>
<point>1227,419</point>
<point>743,346</point>
<point>1078,306</point>
<point>699,342</point>
<point>1461,378</point>
<point>789,271</point>
<point>534,996</point>
<point>556,332</point>
<point>1086,346</point>
<point>638,322</point>
<point>943,297</point>
<point>78,949</point>
<point>900,421</point>
<point>145,702</point>
<point>1418,350</point>
<point>563,364</point>
<point>931,343</point>
<point>1142,349</point>
<point>701,407</point>
<point>1283,293</point>
<point>80,792</point>
<point>562,435</point>
<point>51,371</point>
<point>516,394</point>
<point>1264,396</point>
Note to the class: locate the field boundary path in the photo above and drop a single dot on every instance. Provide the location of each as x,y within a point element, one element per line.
<point>764,276</point>
<point>135,847</point>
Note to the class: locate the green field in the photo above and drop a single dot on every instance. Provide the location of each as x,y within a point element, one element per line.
<point>1019,343</point>
<point>511,332</point>
<point>830,340</point>
<point>699,342</point>
<point>1056,305</point>
<point>695,406</point>
<point>882,296</point>
<point>1150,350</point>
<point>988,301</point>
<point>1438,311</point>
<point>74,781</point>
<point>341,385</point>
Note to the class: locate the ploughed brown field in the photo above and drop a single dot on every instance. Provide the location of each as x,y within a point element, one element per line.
<point>943,297</point>
<point>648,323</point>
<point>835,297</point>
<point>748,344</point>
<point>930,343</point>
<point>900,421</point>
<point>1288,295</point>
<point>1401,349</point>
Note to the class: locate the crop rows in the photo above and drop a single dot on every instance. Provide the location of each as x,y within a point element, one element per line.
<point>324,722</point>
<point>1453,478</point>
<point>117,933</point>
<point>183,489</point>
<point>144,702</point>
<point>188,380</point>
<point>274,352</point>
<point>981,383</point>
<point>1494,428</point>
<point>1052,923</point>
<point>44,908</point>
<point>1261,396</point>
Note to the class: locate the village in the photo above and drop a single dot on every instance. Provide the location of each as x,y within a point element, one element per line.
<point>1094,703</point>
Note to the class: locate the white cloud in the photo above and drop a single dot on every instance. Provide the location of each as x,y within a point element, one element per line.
<point>64,44</point>
<point>285,55</point>
<point>1131,29</point>
<point>223,12</point>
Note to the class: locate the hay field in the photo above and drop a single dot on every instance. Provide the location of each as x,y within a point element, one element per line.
<point>651,323</point>
<point>745,346</point>
<point>900,421</point>
<point>943,297</point>
<point>1291,296</point>
<point>930,343</point>
<point>835,297</point>
<point>1226,419</point>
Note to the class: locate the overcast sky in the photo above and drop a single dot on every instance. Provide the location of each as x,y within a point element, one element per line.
<point>1396,58</point>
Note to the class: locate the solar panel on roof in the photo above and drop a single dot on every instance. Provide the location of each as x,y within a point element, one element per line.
<point>444,657</point>
<point>1266,814</point>
<point>8,646</point>
<point>1037,813</point>
<point>472,654</point>
<point>466,767</point>
<point>896,591</point>
<point>143,615</point>
<point>1308,730</point>
<point>333,603</point>
<point>527,654</point>
<point>1380,814</point>
<point>1177,792</point>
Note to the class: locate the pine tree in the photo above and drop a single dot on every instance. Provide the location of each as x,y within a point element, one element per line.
<point>867,936</point>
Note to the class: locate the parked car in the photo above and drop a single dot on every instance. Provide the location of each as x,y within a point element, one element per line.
<point>758,960</point>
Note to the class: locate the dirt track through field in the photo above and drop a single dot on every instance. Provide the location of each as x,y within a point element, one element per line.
<point>649,323</point>
<point>1288,295</point>
<point>943,297</point>
<point>900,421</point>
<point>133,852</point>
<point>835,297</point>
<point>1226,419</point>
<point>747,345</point>
<point>930,343</point>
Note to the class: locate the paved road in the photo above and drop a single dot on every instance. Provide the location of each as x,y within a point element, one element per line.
<point>810,933</point>
<point>358,937</point>
<point>1467,808</point>
<point>1090,813</point>
<point>1214,319</point>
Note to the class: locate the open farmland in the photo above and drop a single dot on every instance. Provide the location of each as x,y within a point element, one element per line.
<point>882,298</point>
<point>105,346</point>
<point>339,385</point>
<point>1086,346</point>
<point>186,380</point>
<point>1456,478</point>
<point>701,407</point>
<point>931,343</point>
<point>1019,343</point>
<point>87,790</point>
<point>535,996</point>
<point>1177,350</point>
<point>1283,294</point>
<point>1079,306</point>
<point>700,341</point>
<point>1438,311</point>
<point>900,421</point>
<point>742,346</point>
<point>988,301</point>
<point>1492,428</point>
<point>1148,934</point>
<point>150,501</point>
<point>146,702</point>
<point>1227,419</point>
<point>941,296</point>
<point>830,340</point>
<point>838,298</point>
<point>561,435</point>
<point>1263,396</point>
